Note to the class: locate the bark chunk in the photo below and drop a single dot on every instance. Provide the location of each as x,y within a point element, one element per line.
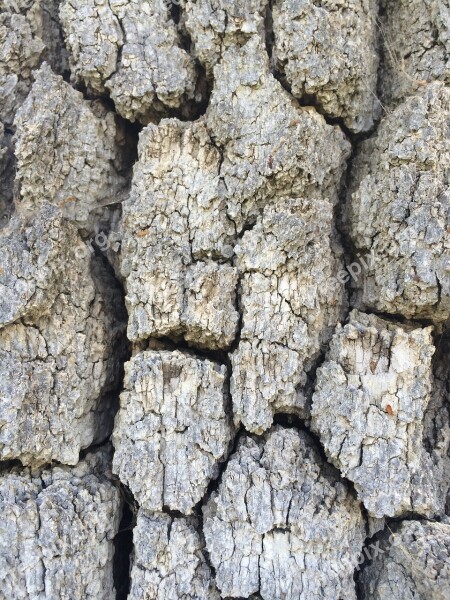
<point>415,37</point>
<point>168,560</point>
<point>327,51</point>
<point>368,407</point>
<point>272,147</point>
<point>29,33</point>
<point>291,303</point>
<point>172,429</point>
<point>59,352</point>
<point>399,210</point>
<point>175,228</point>
<point>282,524</point>
<point>132,50</point>
<point>416,566</point>
<point>20,53</point>
<point>67,150</point>
<point>58,526</point>
<point>216,25</point>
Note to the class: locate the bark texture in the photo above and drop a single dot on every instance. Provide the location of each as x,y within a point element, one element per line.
<point>172,429</point>
<point>224,299</point>
<point>313,53</point>
<point>281,522</point>
<point>290,302</point>
<point>414,566</point>
<point>368,407</point>
<point>416,46</point>
<point>399,209</point>
<point>130,49</point>
<point>58,526</point>
<point>169,560</point>
<point>58,343</point>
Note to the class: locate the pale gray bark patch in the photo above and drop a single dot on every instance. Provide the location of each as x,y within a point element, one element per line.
<point>67,150</point>
<point>132,50</point>
<point>32,259</point>
<point>29,33</point>
<point>327,51</point>
<point>58,526</point>
<point>20,52</point>
<point>415,36</point>
<point>177,217</point>
<point>272,148</point>
<point>225,240</point>
<point>169,561</point>
<point>172,429</point>
<point>216,25</point>
<point>282,523</point>
<point>368,407</point>
<point>398,210</point>
<point>176,238</point>
<point>57,343</point>
<point>414,565</point>
<point>291,302</point>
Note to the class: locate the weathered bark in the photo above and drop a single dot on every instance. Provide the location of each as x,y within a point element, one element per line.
<point>414,565</point>
<point>57,531</point>
<point>220,250</point>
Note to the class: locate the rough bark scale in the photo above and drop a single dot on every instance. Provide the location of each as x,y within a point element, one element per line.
<point>169,560</point>
<point>68,150</point>
<point>281,522</point>
<point>130,49</point>
<point>57,532</point>
<point>290,301</point>
<point>256,314</point>
<point>177,237</point>
<point>172,429</point>
<point>215,25</point>
<point>398,210</point>
<point>313,51</point>
<point>58,351</point>
<point>416,46</point>
<point>368,407</point>
<point>415,564</point>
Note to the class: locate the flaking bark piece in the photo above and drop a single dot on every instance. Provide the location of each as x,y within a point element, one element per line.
<point>67,151</point>
<point>368,408</point>
<point>398,210</point>
<point>132,50</point>
<point>177,239</point>
<point>282,524</point>
<point>414,566</point>
<point>60,339</point>
<point>172,429</point>
<point>291,302</point>
<point>58,526</point>
<point>327,51</point>
<point>168,560</point>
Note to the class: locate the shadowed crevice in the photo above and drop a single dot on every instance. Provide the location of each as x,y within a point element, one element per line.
<point>123,544</point>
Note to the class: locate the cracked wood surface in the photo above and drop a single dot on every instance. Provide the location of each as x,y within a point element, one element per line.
<point>220,249</point>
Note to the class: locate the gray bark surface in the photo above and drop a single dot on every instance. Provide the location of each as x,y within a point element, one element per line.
<point>169,561</point>
<point>368,407</point>
<point>58,343</point>
<point>58,526</point>
<point>281,522</point>
<point>415,37</point>
<point>224,299</point>
<point>416,565</point>
<point>312,50</point>
<point>398,210</point>
<point>132,50</point>
<point>172,429</point>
